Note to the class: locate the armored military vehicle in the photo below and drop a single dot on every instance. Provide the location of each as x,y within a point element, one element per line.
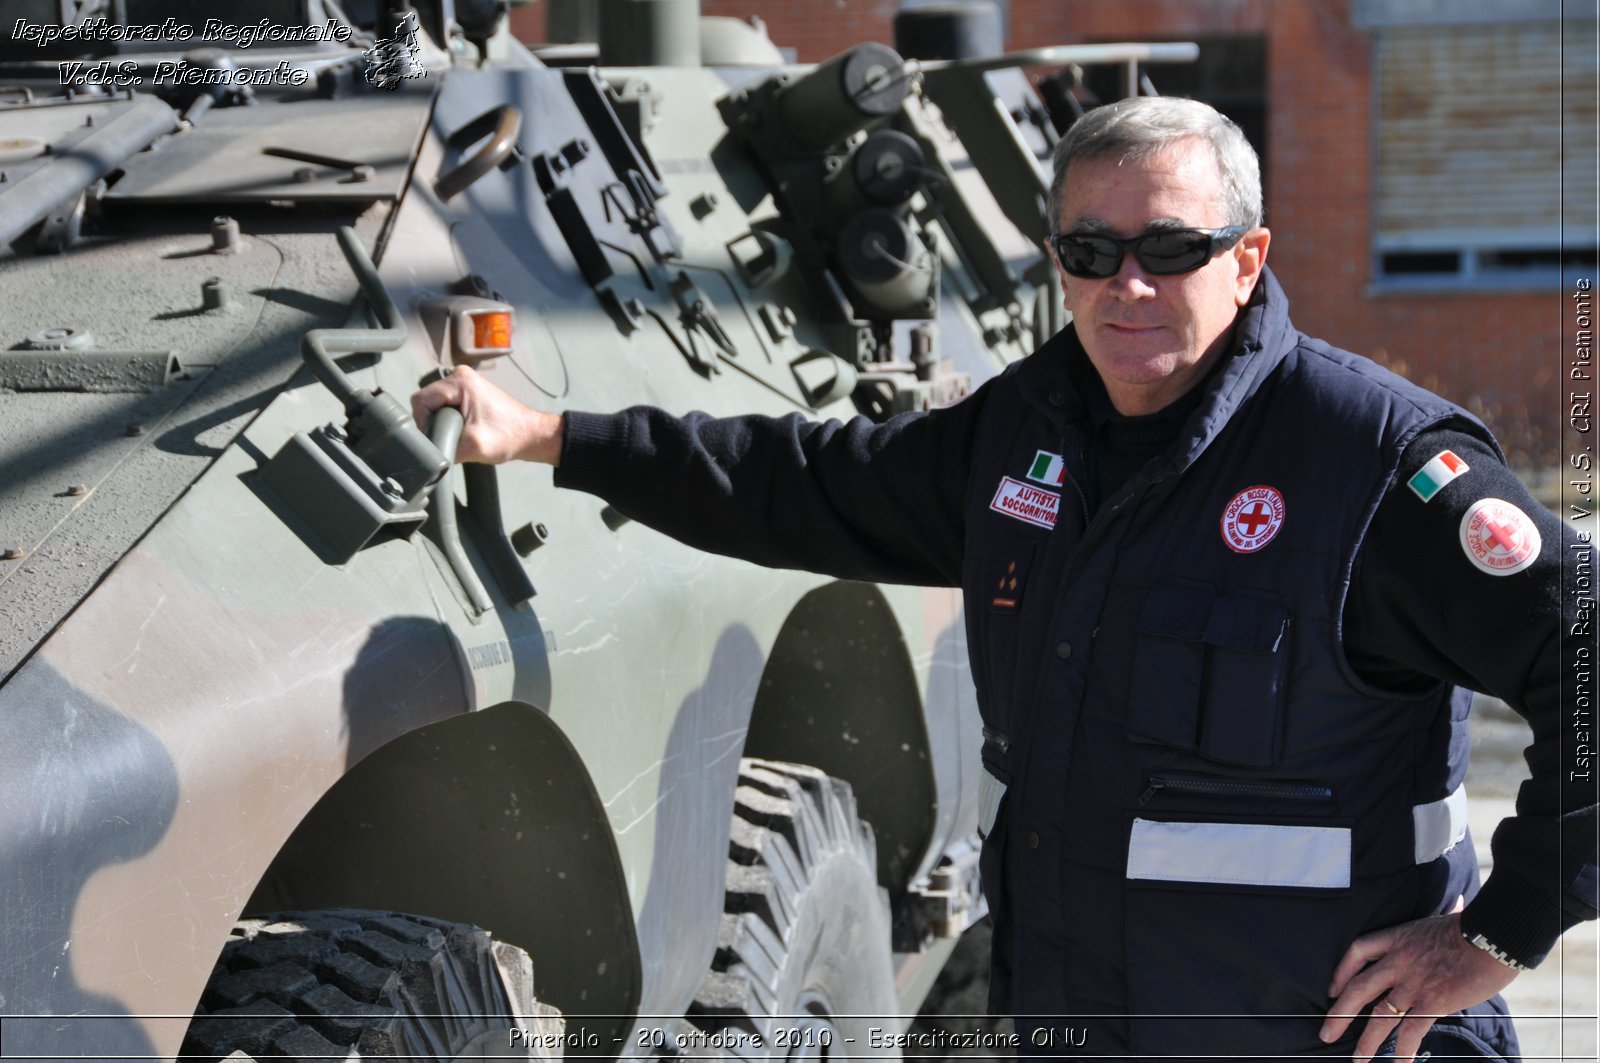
<point>312,745</point>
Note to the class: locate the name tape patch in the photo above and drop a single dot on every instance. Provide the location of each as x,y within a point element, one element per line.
<point>1498,537</point>
<point>1026,503</point>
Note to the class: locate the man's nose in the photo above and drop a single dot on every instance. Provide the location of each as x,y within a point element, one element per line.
<point>1131,282</point>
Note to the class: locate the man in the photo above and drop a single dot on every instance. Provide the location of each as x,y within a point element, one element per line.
<point>1242,573</point>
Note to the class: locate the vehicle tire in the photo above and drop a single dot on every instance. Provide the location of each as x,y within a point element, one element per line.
<point>368,985</point>
<point>803,967</point>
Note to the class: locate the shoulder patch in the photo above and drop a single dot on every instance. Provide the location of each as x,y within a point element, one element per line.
<point>1440,470</point>
<point>1498,537</point>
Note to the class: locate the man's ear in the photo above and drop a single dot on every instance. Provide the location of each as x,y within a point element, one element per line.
<point>1251,252</point>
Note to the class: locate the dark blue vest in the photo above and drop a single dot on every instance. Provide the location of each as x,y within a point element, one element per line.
<point>1205,805</point>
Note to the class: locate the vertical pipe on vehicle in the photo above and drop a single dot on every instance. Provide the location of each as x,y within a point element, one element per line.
<point>571,21</point>
<point>649,32</point>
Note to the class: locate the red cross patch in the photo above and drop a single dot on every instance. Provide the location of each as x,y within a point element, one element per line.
<point>1252,519</point>
<point>1498,537</point>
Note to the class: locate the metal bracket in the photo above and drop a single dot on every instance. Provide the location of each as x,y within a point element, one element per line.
<point>337,494</point>
<point>348,483</point>
<point>698,313</point>
<point>947,902</point>
<point>894,389</point>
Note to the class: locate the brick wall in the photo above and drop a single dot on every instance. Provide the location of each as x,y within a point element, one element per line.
<point>816,29</point>
<point>1496,353</point>
<point>527,23</point>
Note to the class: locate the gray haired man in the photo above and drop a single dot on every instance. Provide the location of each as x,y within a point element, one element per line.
<point>1225,701</point>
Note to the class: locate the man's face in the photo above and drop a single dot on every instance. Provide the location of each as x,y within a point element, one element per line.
<point>1152,337</point>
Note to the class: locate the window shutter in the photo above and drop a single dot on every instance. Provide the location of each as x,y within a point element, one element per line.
<point>1470,123</point>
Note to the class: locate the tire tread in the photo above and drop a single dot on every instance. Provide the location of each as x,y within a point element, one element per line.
<point>789,819</point>
<point>348,984</point>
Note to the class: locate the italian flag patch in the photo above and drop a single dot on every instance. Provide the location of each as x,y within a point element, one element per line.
<point>1048,468</point>
<point>1440,470</point>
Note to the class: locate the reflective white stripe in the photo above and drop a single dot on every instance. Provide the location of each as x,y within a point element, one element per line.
<point>990,791</point>
<point>1439,825</point>
<point>1242,854</point>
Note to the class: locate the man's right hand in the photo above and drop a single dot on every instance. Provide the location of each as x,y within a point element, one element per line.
<point>496,427</point>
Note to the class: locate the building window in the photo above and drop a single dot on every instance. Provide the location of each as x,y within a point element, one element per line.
<point>1473,123</point>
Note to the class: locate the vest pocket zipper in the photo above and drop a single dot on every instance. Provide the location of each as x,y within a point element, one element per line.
<point>1202,784</point>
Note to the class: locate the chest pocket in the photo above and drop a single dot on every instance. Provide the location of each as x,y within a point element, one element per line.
<point>1210,673</point>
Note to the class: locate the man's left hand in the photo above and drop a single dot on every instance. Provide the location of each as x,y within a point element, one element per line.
<point>1409,975</point>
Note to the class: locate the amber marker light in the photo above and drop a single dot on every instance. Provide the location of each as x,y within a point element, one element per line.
<point>491,330</point>
<point>467,328</point>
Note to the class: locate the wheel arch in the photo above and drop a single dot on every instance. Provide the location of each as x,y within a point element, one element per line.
<point>488,818</point>
<point>839,692</point>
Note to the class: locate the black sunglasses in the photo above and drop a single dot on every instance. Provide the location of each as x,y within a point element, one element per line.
<point>1162,253</point>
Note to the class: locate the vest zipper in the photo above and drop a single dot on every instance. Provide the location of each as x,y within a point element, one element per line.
<point>1068,438</point>
<point>1083,501</point>
<point>1199,784</point>
<point>1000,741</point>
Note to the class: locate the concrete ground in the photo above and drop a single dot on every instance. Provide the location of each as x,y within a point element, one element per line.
<point>1555,1005</point>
